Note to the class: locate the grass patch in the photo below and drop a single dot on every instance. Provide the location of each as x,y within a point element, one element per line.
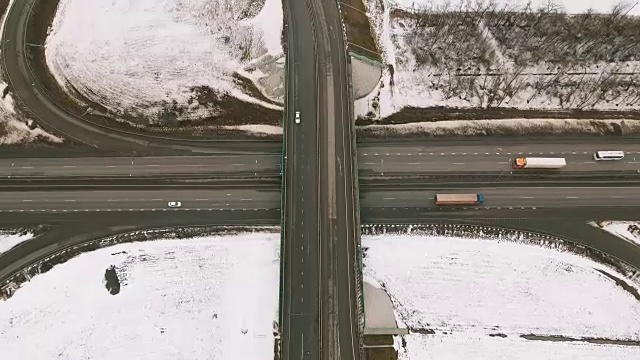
<point>360,36</point>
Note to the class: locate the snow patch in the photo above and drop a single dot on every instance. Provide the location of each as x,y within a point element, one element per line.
<point>9,239</point>
<point>627,230</point>
<point>258,129</point>
<point>270,22</point>
<point>205,298</point>
<point>371,281</point>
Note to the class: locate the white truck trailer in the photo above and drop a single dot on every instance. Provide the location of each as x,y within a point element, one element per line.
<point>539,163</point>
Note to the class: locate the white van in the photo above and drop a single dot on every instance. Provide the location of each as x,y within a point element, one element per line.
<point>297,117</point>
<point>608,155</point>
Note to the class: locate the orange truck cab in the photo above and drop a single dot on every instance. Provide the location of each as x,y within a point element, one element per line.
<point>519,163</point>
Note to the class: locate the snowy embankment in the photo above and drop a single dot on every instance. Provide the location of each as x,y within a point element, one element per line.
<point>15,128</point>
<point>9,239</point>
<point>481,63</point>
<point>627,230</point>
<point>480,298</point>
<point>147,59</point>
<point>204,298</point>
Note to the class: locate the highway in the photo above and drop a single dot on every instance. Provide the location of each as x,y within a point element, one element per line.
<point>248,200</point>
<point>71,227</point>
<point>300,275</point>
<point>379,159</point>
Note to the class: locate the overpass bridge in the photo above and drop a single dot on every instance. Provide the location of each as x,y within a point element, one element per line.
<point>320,295</point>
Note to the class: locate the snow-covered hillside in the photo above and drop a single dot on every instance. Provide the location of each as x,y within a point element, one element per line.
<point>145,58</point>
<point>482,297</point>
<point>206,298</point>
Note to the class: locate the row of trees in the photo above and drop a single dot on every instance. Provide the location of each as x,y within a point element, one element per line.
<point>463,34</point>
<point>607,89</point>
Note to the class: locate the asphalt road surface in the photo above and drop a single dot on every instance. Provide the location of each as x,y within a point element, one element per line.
<point>241,199</point>
<point>376,158</point>
<point>510,197</point>
<point>492,154</point>
<point>299,283</point>
<point>339,220</point>
<point>138,166</point>
<point>141,200</point>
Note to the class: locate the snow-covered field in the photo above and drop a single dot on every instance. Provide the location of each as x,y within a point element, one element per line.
<point>205,298</point>
<point>464,290</point>
<point>9,239</point>
<point>216,298</point>
<point>628,230</point>
<point>145,58</point>
<point>449,74</point>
